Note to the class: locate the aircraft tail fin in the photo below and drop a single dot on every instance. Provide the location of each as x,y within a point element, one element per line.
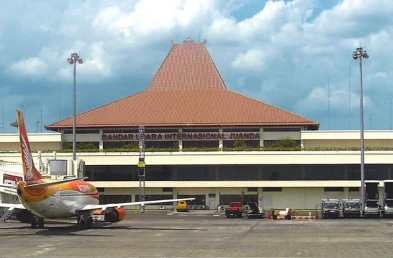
<point>30,173</point>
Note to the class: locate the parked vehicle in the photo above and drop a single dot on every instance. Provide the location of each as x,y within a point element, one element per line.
<point>235,209</point>
<point>371,207</point>
<point>351,208</point>
<point>255,211</point>
<point>388,198</point>
<point>181,206</point>
<point>330,208</point>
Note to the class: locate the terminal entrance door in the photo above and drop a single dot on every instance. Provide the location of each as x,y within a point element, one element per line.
<point>267,203</point>
<point>212,201</point>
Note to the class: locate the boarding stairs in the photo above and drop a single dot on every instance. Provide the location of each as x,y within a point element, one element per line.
<point>8,213</point>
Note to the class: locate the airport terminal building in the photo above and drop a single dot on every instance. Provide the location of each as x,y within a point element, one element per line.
<point>208,142</point>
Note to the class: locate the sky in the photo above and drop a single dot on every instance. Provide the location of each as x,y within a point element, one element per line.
<point>296,55</point>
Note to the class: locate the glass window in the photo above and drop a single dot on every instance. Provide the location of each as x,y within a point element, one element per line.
<point>249,143</point>
<point>282,172</point>
<point>196,173</point>
<point>111,173</point>
<point>333,189</point>
<point>238,172</point>
<point>226,199</point>
<point>199,144</point>
<point>324,172</point>
<point>272,189</point>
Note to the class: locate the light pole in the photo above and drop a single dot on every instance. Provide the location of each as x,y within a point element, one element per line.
<point>360,54</point>
<point>73,60</point>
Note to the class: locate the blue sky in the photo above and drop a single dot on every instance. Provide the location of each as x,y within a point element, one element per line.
<point>280,52</point>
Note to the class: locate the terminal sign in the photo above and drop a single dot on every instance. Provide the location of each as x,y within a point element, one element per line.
<point>181,136</point>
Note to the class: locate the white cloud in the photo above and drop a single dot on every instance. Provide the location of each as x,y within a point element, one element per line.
<point>253,59</point>
<point>279,55</point>
<point>380,75</point>
<point>31,67</point>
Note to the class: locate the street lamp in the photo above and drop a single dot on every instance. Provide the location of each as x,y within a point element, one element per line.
<point>73,60</point>
<point>360,54</point>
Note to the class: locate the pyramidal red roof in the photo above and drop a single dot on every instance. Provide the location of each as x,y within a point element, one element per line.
<point>187,90</point>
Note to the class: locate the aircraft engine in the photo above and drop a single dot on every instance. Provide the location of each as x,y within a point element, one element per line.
<point>115,215</point>
<point>24,216</point>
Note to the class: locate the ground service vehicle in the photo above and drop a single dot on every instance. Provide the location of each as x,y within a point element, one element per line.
<point>330,208</point>
<point>388,198</point>
<point>371,208</point>
<point>182,206</point>
<point>255,211</point>
<point>235,209</point>
<point>351,208</point>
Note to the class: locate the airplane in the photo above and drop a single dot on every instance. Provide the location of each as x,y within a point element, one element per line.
<point>42,198</point>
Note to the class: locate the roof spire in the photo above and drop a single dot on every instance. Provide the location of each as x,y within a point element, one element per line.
<point>188,41</point>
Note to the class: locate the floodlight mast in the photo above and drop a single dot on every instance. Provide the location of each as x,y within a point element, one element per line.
<point>360,54</point>
<point>72,61</point>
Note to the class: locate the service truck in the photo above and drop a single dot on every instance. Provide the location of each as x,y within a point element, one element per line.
<point>388,198</point>
<point>330,208</point>
<point>371,207</point>
<point>235,209</point>
<point>351,208</point>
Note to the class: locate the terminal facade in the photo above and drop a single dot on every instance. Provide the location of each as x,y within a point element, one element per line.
<point>207,142</point>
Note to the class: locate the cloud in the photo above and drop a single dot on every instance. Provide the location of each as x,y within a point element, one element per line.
<point>282,52</point>
<point>32,67</point>
<point>253,59</point>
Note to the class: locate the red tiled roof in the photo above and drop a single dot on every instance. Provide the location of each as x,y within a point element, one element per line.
<point>186,91</point>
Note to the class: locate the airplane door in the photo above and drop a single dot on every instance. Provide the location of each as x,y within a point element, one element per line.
<point>267,203</point>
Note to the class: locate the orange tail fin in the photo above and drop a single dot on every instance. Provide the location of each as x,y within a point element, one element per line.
<point>30,173</point>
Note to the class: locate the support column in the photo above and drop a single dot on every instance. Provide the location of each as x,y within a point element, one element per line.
<point>221,141</point>
<point>346,193</point>
<point>260,202</point>
<point>174,194</point>
<point>217,197</point>
<point>180,141</point>
<point>101,142</point>
<point>261,137</point>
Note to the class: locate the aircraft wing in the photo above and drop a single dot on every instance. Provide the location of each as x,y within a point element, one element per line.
<point>119,205</point>
<point>12,206</point>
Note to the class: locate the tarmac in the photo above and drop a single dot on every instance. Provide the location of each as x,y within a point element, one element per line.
<point>200,234</point>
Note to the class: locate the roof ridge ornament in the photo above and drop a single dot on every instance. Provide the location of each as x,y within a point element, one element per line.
<point>188,41</point>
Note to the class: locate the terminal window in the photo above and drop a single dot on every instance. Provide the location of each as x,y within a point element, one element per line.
<point>334,189</point>
<point>272,189</point>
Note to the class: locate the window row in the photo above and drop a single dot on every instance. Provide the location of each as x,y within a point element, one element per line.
<point>238,172</point>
